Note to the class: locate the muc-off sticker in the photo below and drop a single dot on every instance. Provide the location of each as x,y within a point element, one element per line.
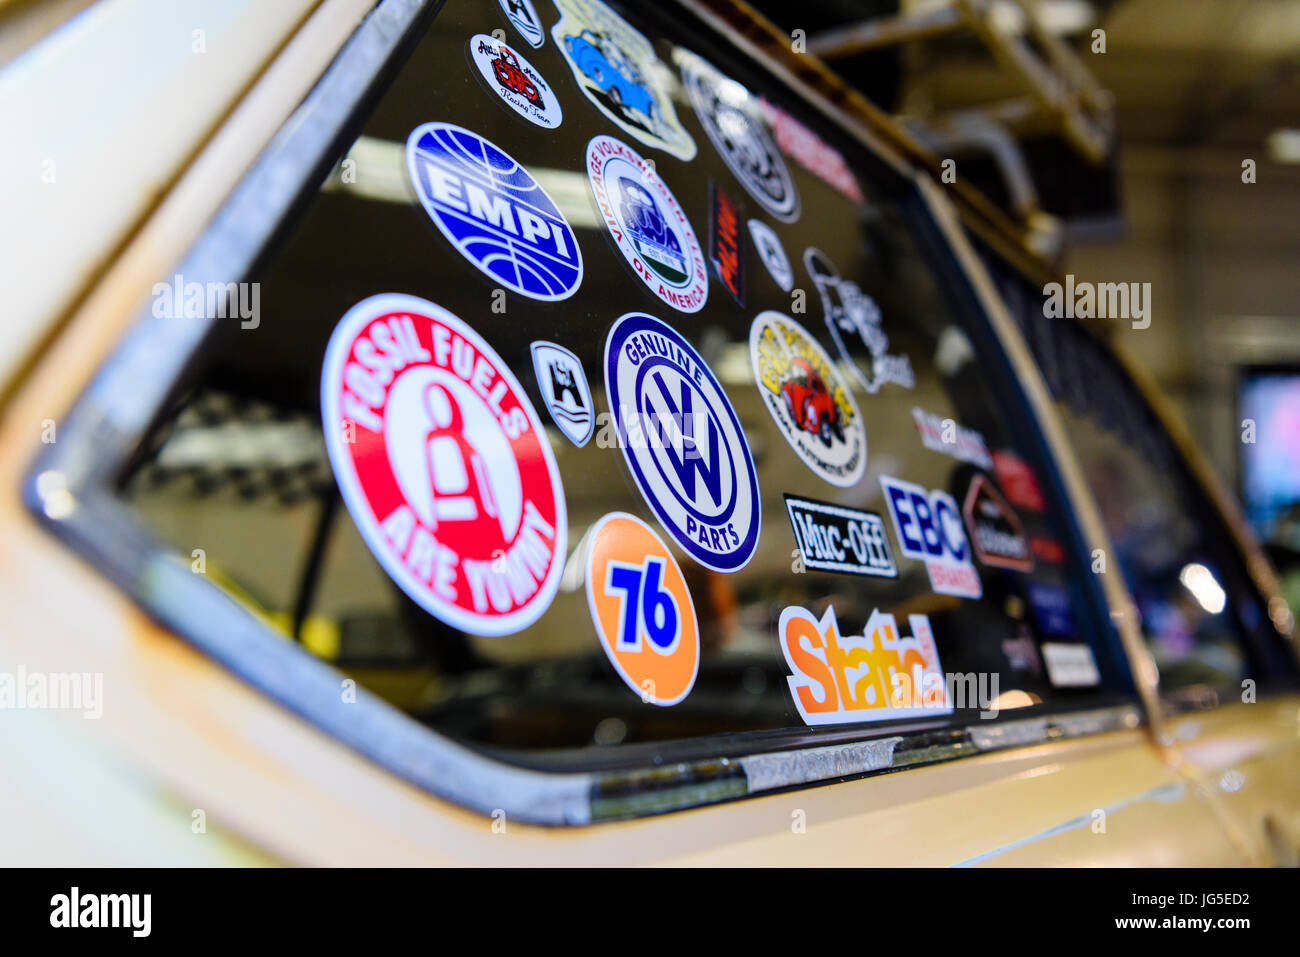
<point>565,391</point>
<point>523,17</point>
<point>928,526</point>
<point>995,529</point>
<point>647,224</point>
<point>772,254</point>
<point>808,399</point>
<point>494,212</point>
<point>616,68</point>
<point>642,609</point>
<point>442,464</point>
<point>518,83</point>
<point>683,442</point>
<point>853,319</point>
<point>832,538</point>
<point>879,675</point>
<point>727,242</point>
<point>733,120</point>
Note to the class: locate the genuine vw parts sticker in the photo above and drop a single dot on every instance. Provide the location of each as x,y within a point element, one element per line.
<point>683,442</point>
<point>808,399</point>
<point>441,461</point>
<point>647,224</point>
<point>493,211</point>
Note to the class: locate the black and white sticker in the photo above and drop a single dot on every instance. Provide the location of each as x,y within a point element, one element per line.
<point>1070,665</point>
<point>565,390</point>
<point>519,84</point>
<point>523,17</point>
<point>833,538</point>
<point>772,253</point>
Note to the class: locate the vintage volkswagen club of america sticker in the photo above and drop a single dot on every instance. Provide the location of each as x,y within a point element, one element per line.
<point>647,224</point>
<point>518,83</point>
<point>683,442</point>
<point>523,17</point>
<point>493,211</point>
<point>807,397</point>
<point>617,69</point>
<point>442,463</point>
<point>735,126</point>
<point>642,609</point>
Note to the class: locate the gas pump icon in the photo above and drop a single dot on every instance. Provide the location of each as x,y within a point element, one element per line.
<point>462,489</point>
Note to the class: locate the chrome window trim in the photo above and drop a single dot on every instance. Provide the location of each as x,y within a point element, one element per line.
<point>70,489</point>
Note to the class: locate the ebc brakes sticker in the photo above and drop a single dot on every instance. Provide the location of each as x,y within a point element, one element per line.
<point>647,224</point>
<point>518,83</point>
<point>733,120</point>
<point>494,212</point>
<point>642,609</point>
<point>683,442</point>
<point>441,461</point>
<point>808,399</point>
<point>879,675</point>
<point>928,526</point>
<point>616,68</point>
<point>854,321</point>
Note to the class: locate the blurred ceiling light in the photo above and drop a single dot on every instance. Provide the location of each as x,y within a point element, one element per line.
<point>1200,581</point>
<point>1284,146</point>
<point>1059,17</point>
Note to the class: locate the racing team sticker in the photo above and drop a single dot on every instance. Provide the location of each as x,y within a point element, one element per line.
<point>519,84</point>
<point>683,442</point>
<point>642,609</point>
<point>616,68</point>
<point>809,400</point>
<point>647,224</point>
<point>734,123</point>
<point>441,461</point>
<point>493,211</point>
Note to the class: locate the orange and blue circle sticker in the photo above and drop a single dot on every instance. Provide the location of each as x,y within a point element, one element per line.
<point>642,609</point>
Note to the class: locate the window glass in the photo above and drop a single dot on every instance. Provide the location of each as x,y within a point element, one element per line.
<point>1202,618</point>
<point>969,553</point>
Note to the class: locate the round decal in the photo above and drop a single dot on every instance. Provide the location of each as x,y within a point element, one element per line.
<point>808,398</point>
<point>518,83</point>
<point>642,609</point>
<point>772,253</point>
<point>493,211</point>
<point>647,224</point>
<point>616,68</point>
<point>735,126</point>
<point>441,462</point>
<point>683,442</point>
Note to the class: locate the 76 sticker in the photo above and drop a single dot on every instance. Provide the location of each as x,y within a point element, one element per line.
<point>642,609</point>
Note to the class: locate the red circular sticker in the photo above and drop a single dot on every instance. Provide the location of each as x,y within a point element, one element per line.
<point>442,463</point>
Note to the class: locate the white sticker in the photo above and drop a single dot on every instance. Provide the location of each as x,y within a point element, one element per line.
<point>734,123</point>
<point>647,224</point>
<point>1070,666</point>
<point>516,81</point>
<point>772,253</point>
<point>565,390</point>
<point>523,16</point>
<point>929,529</point>
<point>808,399</point>
<point>616,68</point>
<point>441,461</point>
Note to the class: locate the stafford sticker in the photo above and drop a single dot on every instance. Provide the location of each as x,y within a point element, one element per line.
<point>853,319</point>
<point>642,609</point>
<point>809,400</point>
<point>947,437</point>
<point>772,253</point>
<point>734,123</point>
<point>683,442</point>
<point>518,83</point>
<point>564,390</point>
<point>523,17</point>
<point>833,538</point>
<point>877,676</point>
<point>928,526</point>
<point>727,243</point>
<point>810,151</point>
<point>995,530</point>
<point>493,211</point>
<point>616,68</point>
<point>647,224</point>
<point>442,464</point>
